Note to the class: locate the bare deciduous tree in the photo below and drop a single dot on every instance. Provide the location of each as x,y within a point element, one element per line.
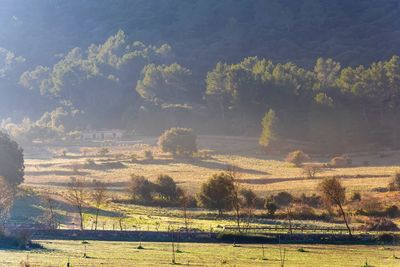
<point>289,214</point>
<point>334,194</point>
<point>311,170</point>
<point>49,216</point>
<point>184,201</point>
<point>234,174</point>
<point>99,197</point>
<point>77,196</point>
<point>121,218</point>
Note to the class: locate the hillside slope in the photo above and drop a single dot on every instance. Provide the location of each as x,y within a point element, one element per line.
<point>203,32</point>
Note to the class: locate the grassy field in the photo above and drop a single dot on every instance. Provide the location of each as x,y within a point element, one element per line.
<point>259,171</point>
<point>265,174</point>
<point>56,253</point>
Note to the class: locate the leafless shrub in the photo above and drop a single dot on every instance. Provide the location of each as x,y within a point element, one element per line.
<point>380,224</point>
<point>303,212</point>
<point>311,170</point>
<point>77,197</point>
<point>394,184</point>
<point>99,197</point>
<point>49,217</point>
<point>370,204</point>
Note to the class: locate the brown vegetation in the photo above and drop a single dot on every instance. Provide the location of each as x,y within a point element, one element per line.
<point>297,157</point>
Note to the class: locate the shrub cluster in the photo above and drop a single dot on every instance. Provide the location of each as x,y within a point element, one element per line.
<point>164,191</point>
<point>340,162</point>
<point>297,157</point>
<point>380,224</point>
<point>311,170</point>
<point>178,142</point>
<point>394,184</point>
<point>301,208</point>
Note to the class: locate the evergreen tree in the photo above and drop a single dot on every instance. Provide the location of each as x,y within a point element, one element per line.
<point>269,135</point>
<point>11,161</point>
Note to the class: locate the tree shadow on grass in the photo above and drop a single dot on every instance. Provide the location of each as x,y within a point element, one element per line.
<point>222,166</point>
<point>211,163</point>
<point>157,161</point>
<point>58,173</point>
<point>261,181</point>
<point>27,209</point>
<point>105,166</point>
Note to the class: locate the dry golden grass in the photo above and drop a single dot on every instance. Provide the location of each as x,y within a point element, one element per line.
<point>261,172</point>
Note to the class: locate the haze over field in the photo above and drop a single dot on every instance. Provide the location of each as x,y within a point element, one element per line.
<point>138,132</point>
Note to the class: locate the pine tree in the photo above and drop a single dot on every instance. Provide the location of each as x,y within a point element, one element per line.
<point>269,134</point>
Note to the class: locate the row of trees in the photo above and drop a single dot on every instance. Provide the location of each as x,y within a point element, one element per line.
<point>331,106</point>
<point>142,190</point>
<point>81,195</point>
<point>93,86</point>
<point>223,192</point>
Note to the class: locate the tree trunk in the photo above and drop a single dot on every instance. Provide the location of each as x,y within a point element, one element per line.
<point>81,218</point>
<point>96,219</point>
<point>186,219</point>
<point>238,217</point>
<point>120,224</point>
<point>345,220</point>
<point>219,213</point>
<point>289,216</point>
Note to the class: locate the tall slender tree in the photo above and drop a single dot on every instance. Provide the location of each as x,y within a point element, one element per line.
<point>334,194</point>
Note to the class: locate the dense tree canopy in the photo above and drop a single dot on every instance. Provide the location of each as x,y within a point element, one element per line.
<point>217,193</point>
<point>99,81</point>
<point>167,188</point>
<point>11,161</point>
<point>166,84</point>
<point>141,188</point>
<point>353,32</point>
<point>178,141</point>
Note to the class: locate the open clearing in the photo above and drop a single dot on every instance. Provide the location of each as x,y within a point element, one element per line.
<point>160,254</point>
<point>265,174</point>
<point>259,171</point>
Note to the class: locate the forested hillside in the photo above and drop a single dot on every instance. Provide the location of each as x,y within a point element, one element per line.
<point>216,66</point>
<point>203,32</point>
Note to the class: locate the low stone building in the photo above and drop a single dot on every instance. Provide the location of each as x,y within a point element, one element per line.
<point>114,134</point>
